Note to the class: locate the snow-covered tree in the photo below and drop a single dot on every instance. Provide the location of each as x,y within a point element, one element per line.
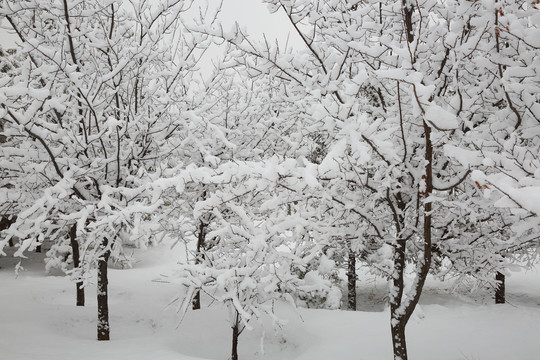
<point>96,99</point>
<point>504,128</point>
<point>251,255</point>
<point>395,91</point>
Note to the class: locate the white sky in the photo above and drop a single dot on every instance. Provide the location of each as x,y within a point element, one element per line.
<point>254,15</point>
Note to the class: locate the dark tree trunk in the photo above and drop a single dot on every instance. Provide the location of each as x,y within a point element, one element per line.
<point>398,340</point>
<point>76,263</point>
<point>235,335</point>
<point>500,291</point>
<point>5,223</point>
<point>408,11</point>
<point>397,321</point>
<point>103,328</point>
<point>351,278</point>
<point>198,259</point>
<point>197,300</point>
<point>38,248</point>
<point>401,308</point>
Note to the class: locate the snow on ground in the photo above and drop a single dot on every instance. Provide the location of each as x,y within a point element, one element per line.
<point>39,321</point>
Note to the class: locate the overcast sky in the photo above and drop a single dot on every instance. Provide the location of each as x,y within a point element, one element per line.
<point>254,15</point>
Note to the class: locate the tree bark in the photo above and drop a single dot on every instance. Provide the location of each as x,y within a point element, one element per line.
<point>398,340</point>
<point>5,223</point>
<point>397,322</point>
<point>401,309</point>
<point>103,328</point>
<point>76,263</point>
<point>500,291</point>
<point>235,335</point>
<point>407,15</point>
<point>197,300</point>
<point>38,248</point>
<point>196,303</point>
<point>351,278</point>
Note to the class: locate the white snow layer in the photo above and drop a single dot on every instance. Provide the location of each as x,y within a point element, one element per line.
<point>39,321</point>
<point>440,118</point>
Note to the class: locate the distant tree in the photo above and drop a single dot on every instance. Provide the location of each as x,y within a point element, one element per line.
<point>8,207</point>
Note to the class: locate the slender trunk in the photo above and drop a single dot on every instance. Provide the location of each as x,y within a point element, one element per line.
<point>76,263</point>
<point>103,328</point>
<point>235,335</point>
<point>500,292</point>
<point>351,278</point>
<point>402,308</point>
<point>197,300</point>
<point>38,248</point>
<point>397,321</point>
<point>5,223</point>
<point>199,257</point>
<point>408,11</point>
<point>398,340</point>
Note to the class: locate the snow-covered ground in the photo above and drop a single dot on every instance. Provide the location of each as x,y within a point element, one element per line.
<point>38,320</point>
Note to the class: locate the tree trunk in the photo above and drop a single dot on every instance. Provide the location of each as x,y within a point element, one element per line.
<point>235,335</point>
<point>398,339</point>
<point>103,328</point>
<point>401,308</point>
<point>500,291</point>
<point>198,259</point>
<point>196,303</point>
<point>5,223</point>
<point>351,278</point>
<point>397,321</point>
<point>76,263</point>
